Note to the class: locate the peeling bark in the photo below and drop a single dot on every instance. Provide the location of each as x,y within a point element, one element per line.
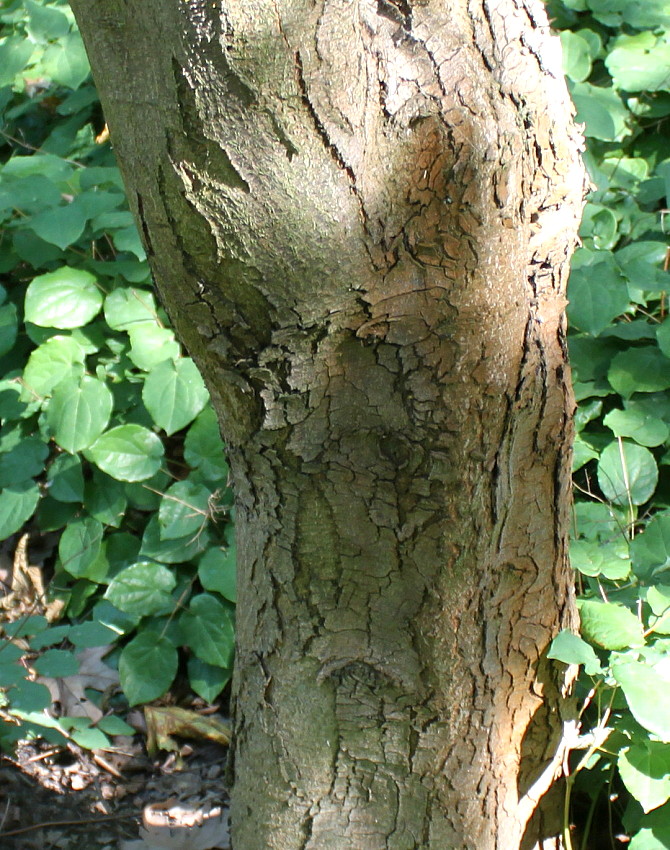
<point>359,214</point>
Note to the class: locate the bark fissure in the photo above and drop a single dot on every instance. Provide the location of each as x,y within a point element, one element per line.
<point>359,214</point>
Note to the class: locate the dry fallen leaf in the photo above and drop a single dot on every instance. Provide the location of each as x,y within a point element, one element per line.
<point>93,673</point>
<point>165,721</point>
<point>208,832</point>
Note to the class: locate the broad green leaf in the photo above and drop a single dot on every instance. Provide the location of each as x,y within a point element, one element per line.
<point>582,452</point>
<point>17,505</point>
<point>9,327</point>
<point>217,571</point>
<point>207,680</point>
<point>147,652</point>
<point>15,53</point>
<point>609,624</point>
<point>79,412</point>
<point>640,62</point>
<point>571,649</point>
<point>45,23</point>
<point>173,551</point>
<point>26,626</point>
<point>89,738</point>
<point>601,110</point>
<point>174,394</point>
<point>90,634</point>
<point>66,298</point>
<point>184,510</point>
<point>663,337</point>
<point>114,725</point>
<point>151,345</point>
<point>209,630</point>
<point>29,696</point>
<point>79,548</point>
<point>204,449</point>
<point>65,61</point>
<point>599,227</point>
<point>598,294</point>
<point>644,768</point>
<point>56,663</point>
<point>128,306</point>
<point>61,226</point>
<point>49,637</point>
<point>128,239</point>
<point>639,682</point>
<point>576,56</point>
<point>591,558</point>
<point>142,589</point>
<point>65,479</point>
<point>50,363</point>
<point>638,425</point>
<point>127,453</point>
<point>22,462</point>
<point>627,473</point>
<point>105,499</point>
<point>52,515</point>
<point>650,550</point>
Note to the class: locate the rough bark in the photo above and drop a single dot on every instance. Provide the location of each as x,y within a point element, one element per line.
<point>359,214</point>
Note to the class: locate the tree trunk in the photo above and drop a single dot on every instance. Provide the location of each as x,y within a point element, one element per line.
<point>359,214</point>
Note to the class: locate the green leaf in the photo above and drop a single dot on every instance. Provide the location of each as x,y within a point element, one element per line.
<point>79,412</point>
<point>627,473</point>
<point>29,626</point>
<point>591,558</point>
<point>91,634</point>
<point>127,453</point>
<point>217,571</point>
<point>128,306</point>
<point>51,362</point>
<point>45,23</point>
<point>24,461</point>
<point>638,682</point>
<point>56,663</point>
<point>599,227</point>
<point>207,680</point>
<point>9,326</point>
<point>49,637</point>
<point>571,649</point>
<point>147,651</point>
<point>174,394</point>
<point>640,62</point>
<point>209,630</point>
<point>29,696</point>
<point>66,62</point>
<point>204,449</point>
<point>638,425</point>
<point>113,725</point>
<point>17,505</point>
<point>174,551</point>
<point>15,53</point>
<point>142,589</point>
<point>650,550</point>
<point>576,56</point>
<point>89,738</point>
<point>598,294</point>
<point>61,226</point>
<point>79,548</point>
<point>66,298</point>
<point>128,239</point>
<point>644,768</point>
<point>65,479</point>
<point>609,624</point>
<point>184,510</point>
<point>601,110</point>
<point>105,499</point>
<point>151,345</point>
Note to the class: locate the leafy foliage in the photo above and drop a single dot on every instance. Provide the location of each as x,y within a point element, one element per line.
<point>617,60</point>
<point>107,438</point>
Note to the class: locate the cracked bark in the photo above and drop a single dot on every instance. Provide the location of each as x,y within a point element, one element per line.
<point>359,215</point>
